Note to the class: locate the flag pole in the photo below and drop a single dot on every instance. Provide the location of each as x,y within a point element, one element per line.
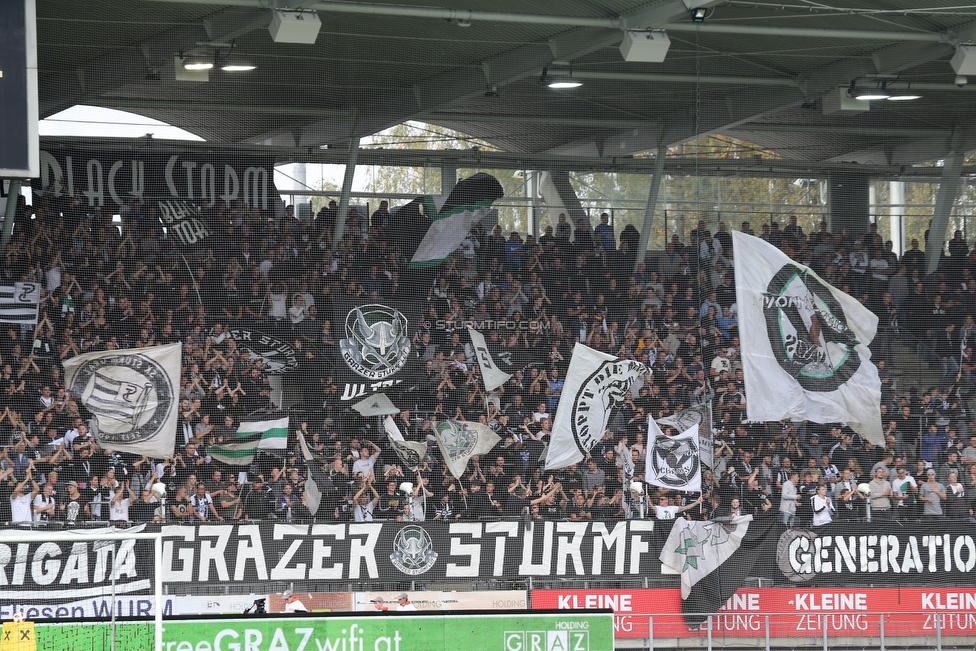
<point>193,281</point>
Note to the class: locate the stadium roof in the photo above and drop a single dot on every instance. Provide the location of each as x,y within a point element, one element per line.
<point>754,70</point>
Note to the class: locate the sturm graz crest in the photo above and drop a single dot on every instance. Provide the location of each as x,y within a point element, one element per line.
<point>808,330</point>
<point>675,462</point>
<point>413,551</point>
<point>377,342</point>
<point>129,396</point>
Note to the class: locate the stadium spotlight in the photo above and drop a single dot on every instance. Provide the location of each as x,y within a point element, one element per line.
<point>237,63</point>
<point>560,81</point>
<point>197,62</point>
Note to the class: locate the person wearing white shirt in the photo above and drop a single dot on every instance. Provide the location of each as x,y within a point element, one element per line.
<point>43,505</point>
<point>788,498</point>
<point>664,511</point>
<point>366,463</point>
<point>118,505</point>
<point>403,602</point>
<point>364,506</point>
<point>21,500</point>
<point>822,507</point>
<point>292,603</point>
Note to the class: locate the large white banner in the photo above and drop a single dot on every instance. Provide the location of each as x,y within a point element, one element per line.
<point>804,343</point>
<point>595,389</point>
<point>133,396</point>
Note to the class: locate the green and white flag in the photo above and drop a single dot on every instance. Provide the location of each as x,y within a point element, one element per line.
<point>459,440</point>
<point>696,549</point>
<point>805,343</point>
<point>467,204</point>
<point>251,437</point>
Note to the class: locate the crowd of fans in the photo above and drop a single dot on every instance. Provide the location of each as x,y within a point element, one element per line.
<point>122,288</point>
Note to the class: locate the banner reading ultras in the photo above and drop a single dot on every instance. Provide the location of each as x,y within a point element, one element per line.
<point>392,632</point>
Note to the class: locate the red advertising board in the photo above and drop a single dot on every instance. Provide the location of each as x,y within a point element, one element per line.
<point>792,612</point>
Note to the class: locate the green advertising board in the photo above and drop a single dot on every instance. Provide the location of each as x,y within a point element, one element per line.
<point>391,632</point>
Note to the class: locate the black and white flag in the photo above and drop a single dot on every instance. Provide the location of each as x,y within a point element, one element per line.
<point>491,366</point>
<point>596,388</point>
<point>805,350</point>
<point>696,549</point>
<point>133,396</point>
<point>19,302</point>
<point>411,453</point>
<point>699,416</point>
<point>673,461</point>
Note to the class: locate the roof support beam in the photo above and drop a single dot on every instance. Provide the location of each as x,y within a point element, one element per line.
<point>801,32</point>
<point>652,193</point>
<point>747,105</point>
<point>948,189</point>
<point>347,179</point>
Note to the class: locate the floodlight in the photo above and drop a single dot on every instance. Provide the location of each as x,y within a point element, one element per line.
<point>197,62</point>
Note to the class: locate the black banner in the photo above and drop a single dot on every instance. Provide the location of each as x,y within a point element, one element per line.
<point>838,555</point>
<point>111,178</point>
<point>374,346</point>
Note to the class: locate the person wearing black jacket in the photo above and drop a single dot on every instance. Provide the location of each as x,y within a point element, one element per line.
<point>259,502</point>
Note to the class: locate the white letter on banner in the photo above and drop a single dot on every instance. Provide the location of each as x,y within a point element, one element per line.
<point>472,551</point>
<point>281,571</point>
<point>506,529</point>
<point>170,183</point>
<point>186,554</point>
<point>570,547</point>
<point>214,553</point>
<point>637,544</point>
<point>232,185</point>
<point>616,540</point>
<point>250,547</point>
<point>321,551</point>
<point>189,167</point>
<point>116,166</point>
<point>360,550</point>
<point>95,193</point>
<point>543,568</point>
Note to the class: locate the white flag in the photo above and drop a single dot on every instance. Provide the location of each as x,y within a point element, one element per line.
<point>595,389</point>
<point>19,302</point>
<point>673,461</point>
<point>412,453</point>
<point>804,343</point>
<point>699,416</point>
<point>459,440</point>
<point>696,549</point>
<point>376,405</point>
<point>133,396</point>
<point>493,376</point>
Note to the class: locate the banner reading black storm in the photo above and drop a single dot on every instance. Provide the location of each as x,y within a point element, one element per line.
<point>109,179</point>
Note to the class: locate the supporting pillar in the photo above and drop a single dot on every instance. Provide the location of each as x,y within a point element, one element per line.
<point>896,215</point>
<point>655,189</point>
<point>567,196</point>
<point>948,188</point>
<point>448,179</point>
<point>849,201</point>
<point>346,191</point>
<point>8,216</point>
